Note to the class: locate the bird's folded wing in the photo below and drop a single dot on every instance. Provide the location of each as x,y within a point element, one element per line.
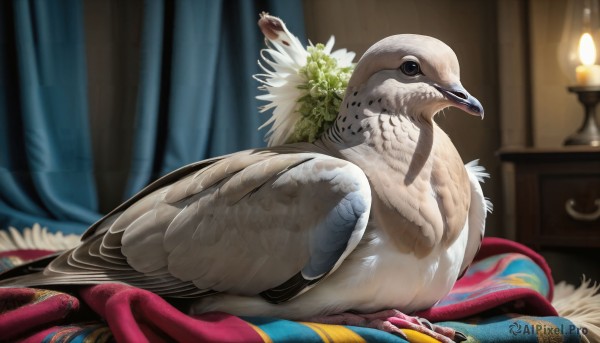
<point>270,222</point>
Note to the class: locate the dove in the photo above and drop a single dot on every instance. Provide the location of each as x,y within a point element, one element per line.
<point>378,215</point>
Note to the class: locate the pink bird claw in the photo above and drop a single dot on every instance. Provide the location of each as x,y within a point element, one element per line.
<point>395,322</point>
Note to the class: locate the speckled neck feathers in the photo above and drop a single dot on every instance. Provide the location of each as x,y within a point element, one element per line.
<point>419,181</point>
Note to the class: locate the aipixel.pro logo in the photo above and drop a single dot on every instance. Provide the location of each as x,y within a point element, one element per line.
<point>517,329</point>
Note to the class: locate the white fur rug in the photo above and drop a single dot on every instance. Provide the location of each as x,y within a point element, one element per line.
<point>580,305</point>
<point>36,237</point>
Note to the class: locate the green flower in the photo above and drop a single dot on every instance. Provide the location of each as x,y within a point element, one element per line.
<point>303,88</point>
<point>323,93</point>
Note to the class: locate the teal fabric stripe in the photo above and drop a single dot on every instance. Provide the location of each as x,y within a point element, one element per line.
<point>284,330</point>
<point>499,329</point>
<point>534,276</point>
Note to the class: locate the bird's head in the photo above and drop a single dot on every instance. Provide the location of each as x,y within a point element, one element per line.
<point>405,74</point>
<point>413,74</point>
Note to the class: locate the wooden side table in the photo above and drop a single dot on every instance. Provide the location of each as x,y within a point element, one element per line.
<point>557,200</point>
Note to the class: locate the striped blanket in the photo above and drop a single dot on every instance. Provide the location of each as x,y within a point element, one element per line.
<point>504,297</point>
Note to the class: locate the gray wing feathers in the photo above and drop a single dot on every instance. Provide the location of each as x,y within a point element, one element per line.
<point>256,230</point>
<point>245,224</point>
<point>331,236</point>
<point>161,182</point>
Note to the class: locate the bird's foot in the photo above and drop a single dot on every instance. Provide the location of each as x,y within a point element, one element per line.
<point>395,322</point>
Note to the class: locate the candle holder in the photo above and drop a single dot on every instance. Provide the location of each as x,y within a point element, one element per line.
<point>579,39</point>
<point>588,134</point>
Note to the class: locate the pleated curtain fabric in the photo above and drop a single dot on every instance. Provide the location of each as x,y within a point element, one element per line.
<point>195,100</point>
<point>46,163</point>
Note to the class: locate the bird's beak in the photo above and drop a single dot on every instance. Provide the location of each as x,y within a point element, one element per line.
<point>460,98</point>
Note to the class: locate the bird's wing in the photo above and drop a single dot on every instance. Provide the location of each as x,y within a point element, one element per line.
<point>270,222</point>
<point>478,210</point>
<point>159,183</point>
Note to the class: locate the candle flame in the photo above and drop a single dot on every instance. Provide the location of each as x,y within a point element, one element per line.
<point>587,50</point>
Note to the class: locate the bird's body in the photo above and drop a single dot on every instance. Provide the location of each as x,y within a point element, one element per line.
<point>388,279</point>
<point>380,212</point>
<point>414,246</point>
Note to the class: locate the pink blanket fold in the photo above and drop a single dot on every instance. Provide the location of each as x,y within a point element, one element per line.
<point>142,316</point>
<point>26,310</point>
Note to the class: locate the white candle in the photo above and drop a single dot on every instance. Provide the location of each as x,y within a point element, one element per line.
<point>587,74</point>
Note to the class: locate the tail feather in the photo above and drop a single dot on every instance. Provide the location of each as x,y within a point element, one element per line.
<point>28,268</point>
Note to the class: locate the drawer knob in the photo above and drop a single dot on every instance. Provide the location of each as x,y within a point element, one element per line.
<point>586,217</point>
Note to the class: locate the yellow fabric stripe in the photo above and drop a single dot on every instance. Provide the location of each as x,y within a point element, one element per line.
<point>334,333</point>
<point>261,333</point>
<point>417,337</point>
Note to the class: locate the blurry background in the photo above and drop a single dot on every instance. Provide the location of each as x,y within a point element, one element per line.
<point>507,51</point>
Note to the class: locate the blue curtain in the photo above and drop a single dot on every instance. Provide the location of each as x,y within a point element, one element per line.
<point>196,99</point>
<point>197,94</point>
<point>46,163</point>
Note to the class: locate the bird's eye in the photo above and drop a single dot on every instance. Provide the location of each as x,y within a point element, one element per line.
<point>410,68</point>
